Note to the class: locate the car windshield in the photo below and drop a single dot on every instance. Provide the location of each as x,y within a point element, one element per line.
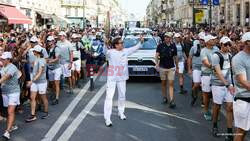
<point>149,43</point>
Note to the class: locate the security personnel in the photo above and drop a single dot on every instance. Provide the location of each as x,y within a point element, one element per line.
<point>166,58</point>
<point>241,105</point>
<point>222,85</point>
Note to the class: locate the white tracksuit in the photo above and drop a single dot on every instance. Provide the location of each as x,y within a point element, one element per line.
<point>117,76</point>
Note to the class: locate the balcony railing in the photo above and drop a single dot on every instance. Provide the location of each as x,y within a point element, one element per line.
<point>72,3</point>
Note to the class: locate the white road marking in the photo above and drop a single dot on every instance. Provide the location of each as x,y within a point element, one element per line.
<point>133,105</point>
<point>64,116</point>
<point>78,120</point>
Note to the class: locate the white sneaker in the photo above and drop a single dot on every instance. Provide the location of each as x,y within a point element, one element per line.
<point>108,123</point>
<point>6,135</point>
<point>13,128</point>
<point>122,117</point>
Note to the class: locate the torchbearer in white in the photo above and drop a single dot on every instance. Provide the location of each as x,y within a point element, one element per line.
<point>117,74</point>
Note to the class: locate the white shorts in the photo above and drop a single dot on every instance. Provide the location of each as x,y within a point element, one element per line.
<point>55,74</point>
<point>76,66</point>
<point>241,114</point>
<point>66,71</point>
<point>12,99</point>
<point>221,94</point>
<point>206,84</point>
<point>40,88</point>
<point>181,67</point>
<point>196,76</point>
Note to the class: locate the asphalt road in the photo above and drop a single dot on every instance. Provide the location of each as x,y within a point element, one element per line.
<point>79,117</point>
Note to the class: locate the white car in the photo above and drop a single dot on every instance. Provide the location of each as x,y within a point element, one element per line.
<point>142,62</point>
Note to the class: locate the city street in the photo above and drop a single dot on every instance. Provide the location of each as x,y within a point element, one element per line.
<point>147,118</point>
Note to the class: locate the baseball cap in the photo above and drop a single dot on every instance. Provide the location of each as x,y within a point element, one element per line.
<point>37,48</point>
<point>168,34</point>
<point>6,55</point>
<point>62,33</point>
<point>177,35</point>
<point>225,39</point>
<point>245,37</point>
<point>208,38</point>
<point>33,39</point>
<point>201,35</point>
<point>74,36</point>
<point>50,38</point>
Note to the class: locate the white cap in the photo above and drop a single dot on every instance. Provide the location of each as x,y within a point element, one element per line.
<point>37,48</point>
<point>208,38</point>
<point>6,55</point>
<point>74,36</point>
<point>33,39</point>
<point>50,38</point>
<point>245,37</point>
<point>177,35</point>
<point>225,39</point>
<point>62,33</point>
<point>169,34</point>
<point>202,35</point>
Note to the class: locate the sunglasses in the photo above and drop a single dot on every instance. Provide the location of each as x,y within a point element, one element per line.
<point>228,44</point>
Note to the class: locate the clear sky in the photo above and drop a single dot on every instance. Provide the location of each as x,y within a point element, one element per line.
<point>137,7</point>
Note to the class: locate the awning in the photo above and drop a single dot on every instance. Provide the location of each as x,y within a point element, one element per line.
<point>59,19</point>
<point>44,15</point>
<point>13,15</point>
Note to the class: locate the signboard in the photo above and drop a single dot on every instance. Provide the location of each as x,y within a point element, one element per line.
<point>206,2</point>
<point>216,2</point>
<point>200,16</point>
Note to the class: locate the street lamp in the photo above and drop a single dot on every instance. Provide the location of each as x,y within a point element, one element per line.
<point>210,14</point>
<point>83,15</point>
<point>194,23</point>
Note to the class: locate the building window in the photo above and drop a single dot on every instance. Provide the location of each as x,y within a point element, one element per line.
<point>68,12</point>
<point>76,12</point>
<point>238,14</point>
<point>247,13</point>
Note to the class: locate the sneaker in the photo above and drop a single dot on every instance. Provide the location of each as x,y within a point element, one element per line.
<point>122,117</point>
<point>172,104</point>
<point>215,132</point>
<point>45,115</point>
<point>31,118</point>
<point>165,100</point>
<point>13,128</point>
<point>208,116</point>
<point>202,105</point>
<point>6,135</point>
<point>108,123</point>
<point>229,138</point>
<point>55,102</point>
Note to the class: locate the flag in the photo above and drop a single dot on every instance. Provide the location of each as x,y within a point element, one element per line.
<point>204,2</point>
<point>216,2</point>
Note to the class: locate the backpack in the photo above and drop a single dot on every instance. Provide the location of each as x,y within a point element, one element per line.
<point>53,53</point>
<point>222,64</point>
<point>77,46</point>
<point>198,51</point>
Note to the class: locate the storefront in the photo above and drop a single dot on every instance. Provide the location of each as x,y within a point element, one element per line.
<point>44,20</point>
<point>11,17</point>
